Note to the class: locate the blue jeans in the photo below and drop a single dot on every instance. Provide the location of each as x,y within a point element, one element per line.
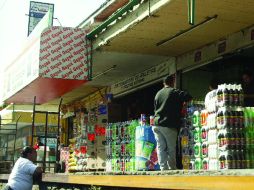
<point>166,146</point>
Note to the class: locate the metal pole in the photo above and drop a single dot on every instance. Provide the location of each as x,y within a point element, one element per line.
<point>45,143</point>
<point>32,138</point>
<point>58,131</point>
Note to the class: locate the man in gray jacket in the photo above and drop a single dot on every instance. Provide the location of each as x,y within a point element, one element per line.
<point>167,107</point>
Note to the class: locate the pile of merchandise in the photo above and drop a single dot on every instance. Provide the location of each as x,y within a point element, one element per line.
<point>221,134</point>
<point>87,147</point>
<point>130,147</point>
<point>120,148</point>
<point>190,135</point>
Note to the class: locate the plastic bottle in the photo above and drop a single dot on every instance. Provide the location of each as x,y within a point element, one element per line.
<point>230,160</point>
<point>205,164</point>
<point>225,95</point>
<point>231,95</point>
<point>219,95</point>
<point>197,150</point>
<point>204,149</point>
<point>235,95</point>
<point>222,160</point>
<point>196,119</point>
<point>198,164</point>
<point>241,118</point>
<point>197,135</point>
<point>204,133</point>
<point>241,97</point>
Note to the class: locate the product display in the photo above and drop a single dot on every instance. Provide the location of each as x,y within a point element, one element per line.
<point>222,132</point>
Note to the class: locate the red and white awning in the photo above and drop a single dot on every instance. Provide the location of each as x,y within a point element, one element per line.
<point>51,65</point>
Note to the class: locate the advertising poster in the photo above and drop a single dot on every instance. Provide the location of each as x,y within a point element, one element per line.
<point>37,11</point>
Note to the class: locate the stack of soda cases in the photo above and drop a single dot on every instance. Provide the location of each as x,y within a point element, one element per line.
<point>249,136</point>
<point>190,135</point>
<point>197,131</point>
<point>231,129</point>
<point>184,135</point>
<point>209,133</point>
<point>120,148</point>
<point>204,140</point>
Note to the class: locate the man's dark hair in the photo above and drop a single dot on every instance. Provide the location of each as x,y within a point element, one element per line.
<point>26,150</point>
<point>214,83</point>
<point>169,80</point>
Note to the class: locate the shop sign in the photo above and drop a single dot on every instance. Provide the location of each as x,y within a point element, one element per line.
<point>65,53</point>
<point>37,11</point>
<point>40,130</point>
<point>141,78</point>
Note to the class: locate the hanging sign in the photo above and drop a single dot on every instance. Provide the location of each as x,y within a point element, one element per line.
<point>64,53</point>
<point>36,12</point>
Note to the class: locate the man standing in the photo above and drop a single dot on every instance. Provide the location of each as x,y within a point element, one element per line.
<point>168,105</point>
<point>24,172</point>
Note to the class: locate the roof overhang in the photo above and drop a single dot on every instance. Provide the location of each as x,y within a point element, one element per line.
<point>142,30</point>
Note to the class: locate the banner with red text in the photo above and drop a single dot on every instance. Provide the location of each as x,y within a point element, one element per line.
<point>65,53</point>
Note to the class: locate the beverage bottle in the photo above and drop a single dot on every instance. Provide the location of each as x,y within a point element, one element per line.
<point>204,149</point>
<point>235,95</point>
<point>219,95</point>
<point>220,140</point>
<point>151,120</point>
<point>243,159</point>
<point>222,160</point>
<point>237,139</point>
<point>229,140</point>
<point>243,139</point>
<point>230,160</point>
<point>227,117</point>
<point>198,164</point>
<point>248,159</point>
<point>205,164</point>
<point>241,97</point>
<point>197,150</point>
<point>204,133</point>
<point>235,118</point>
<point>192,164</point>
<point>230,118</point>
<point>241,118</point>
<point>225,97</point>
<point>196,118</point>
<point>143,120</point>
<point>230,95</point>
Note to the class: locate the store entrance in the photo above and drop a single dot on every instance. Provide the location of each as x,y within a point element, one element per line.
<point>229,69</point>
<point>138,102</point>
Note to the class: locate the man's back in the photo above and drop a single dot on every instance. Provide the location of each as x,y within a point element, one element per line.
<point>22,175</point>
<point>168,104</point>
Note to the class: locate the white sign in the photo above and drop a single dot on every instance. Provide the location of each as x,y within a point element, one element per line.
<point>141,78</point>
<point>36,13</point>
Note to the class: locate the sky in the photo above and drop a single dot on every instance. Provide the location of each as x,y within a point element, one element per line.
<point>14,23</point>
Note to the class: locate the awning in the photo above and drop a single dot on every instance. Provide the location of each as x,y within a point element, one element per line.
<point>51,65</point>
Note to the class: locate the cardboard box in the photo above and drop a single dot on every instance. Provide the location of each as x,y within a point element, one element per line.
<point>101,158</point>
<point>91,163</point>
<point>91,152</point>
<point>100,142</point>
